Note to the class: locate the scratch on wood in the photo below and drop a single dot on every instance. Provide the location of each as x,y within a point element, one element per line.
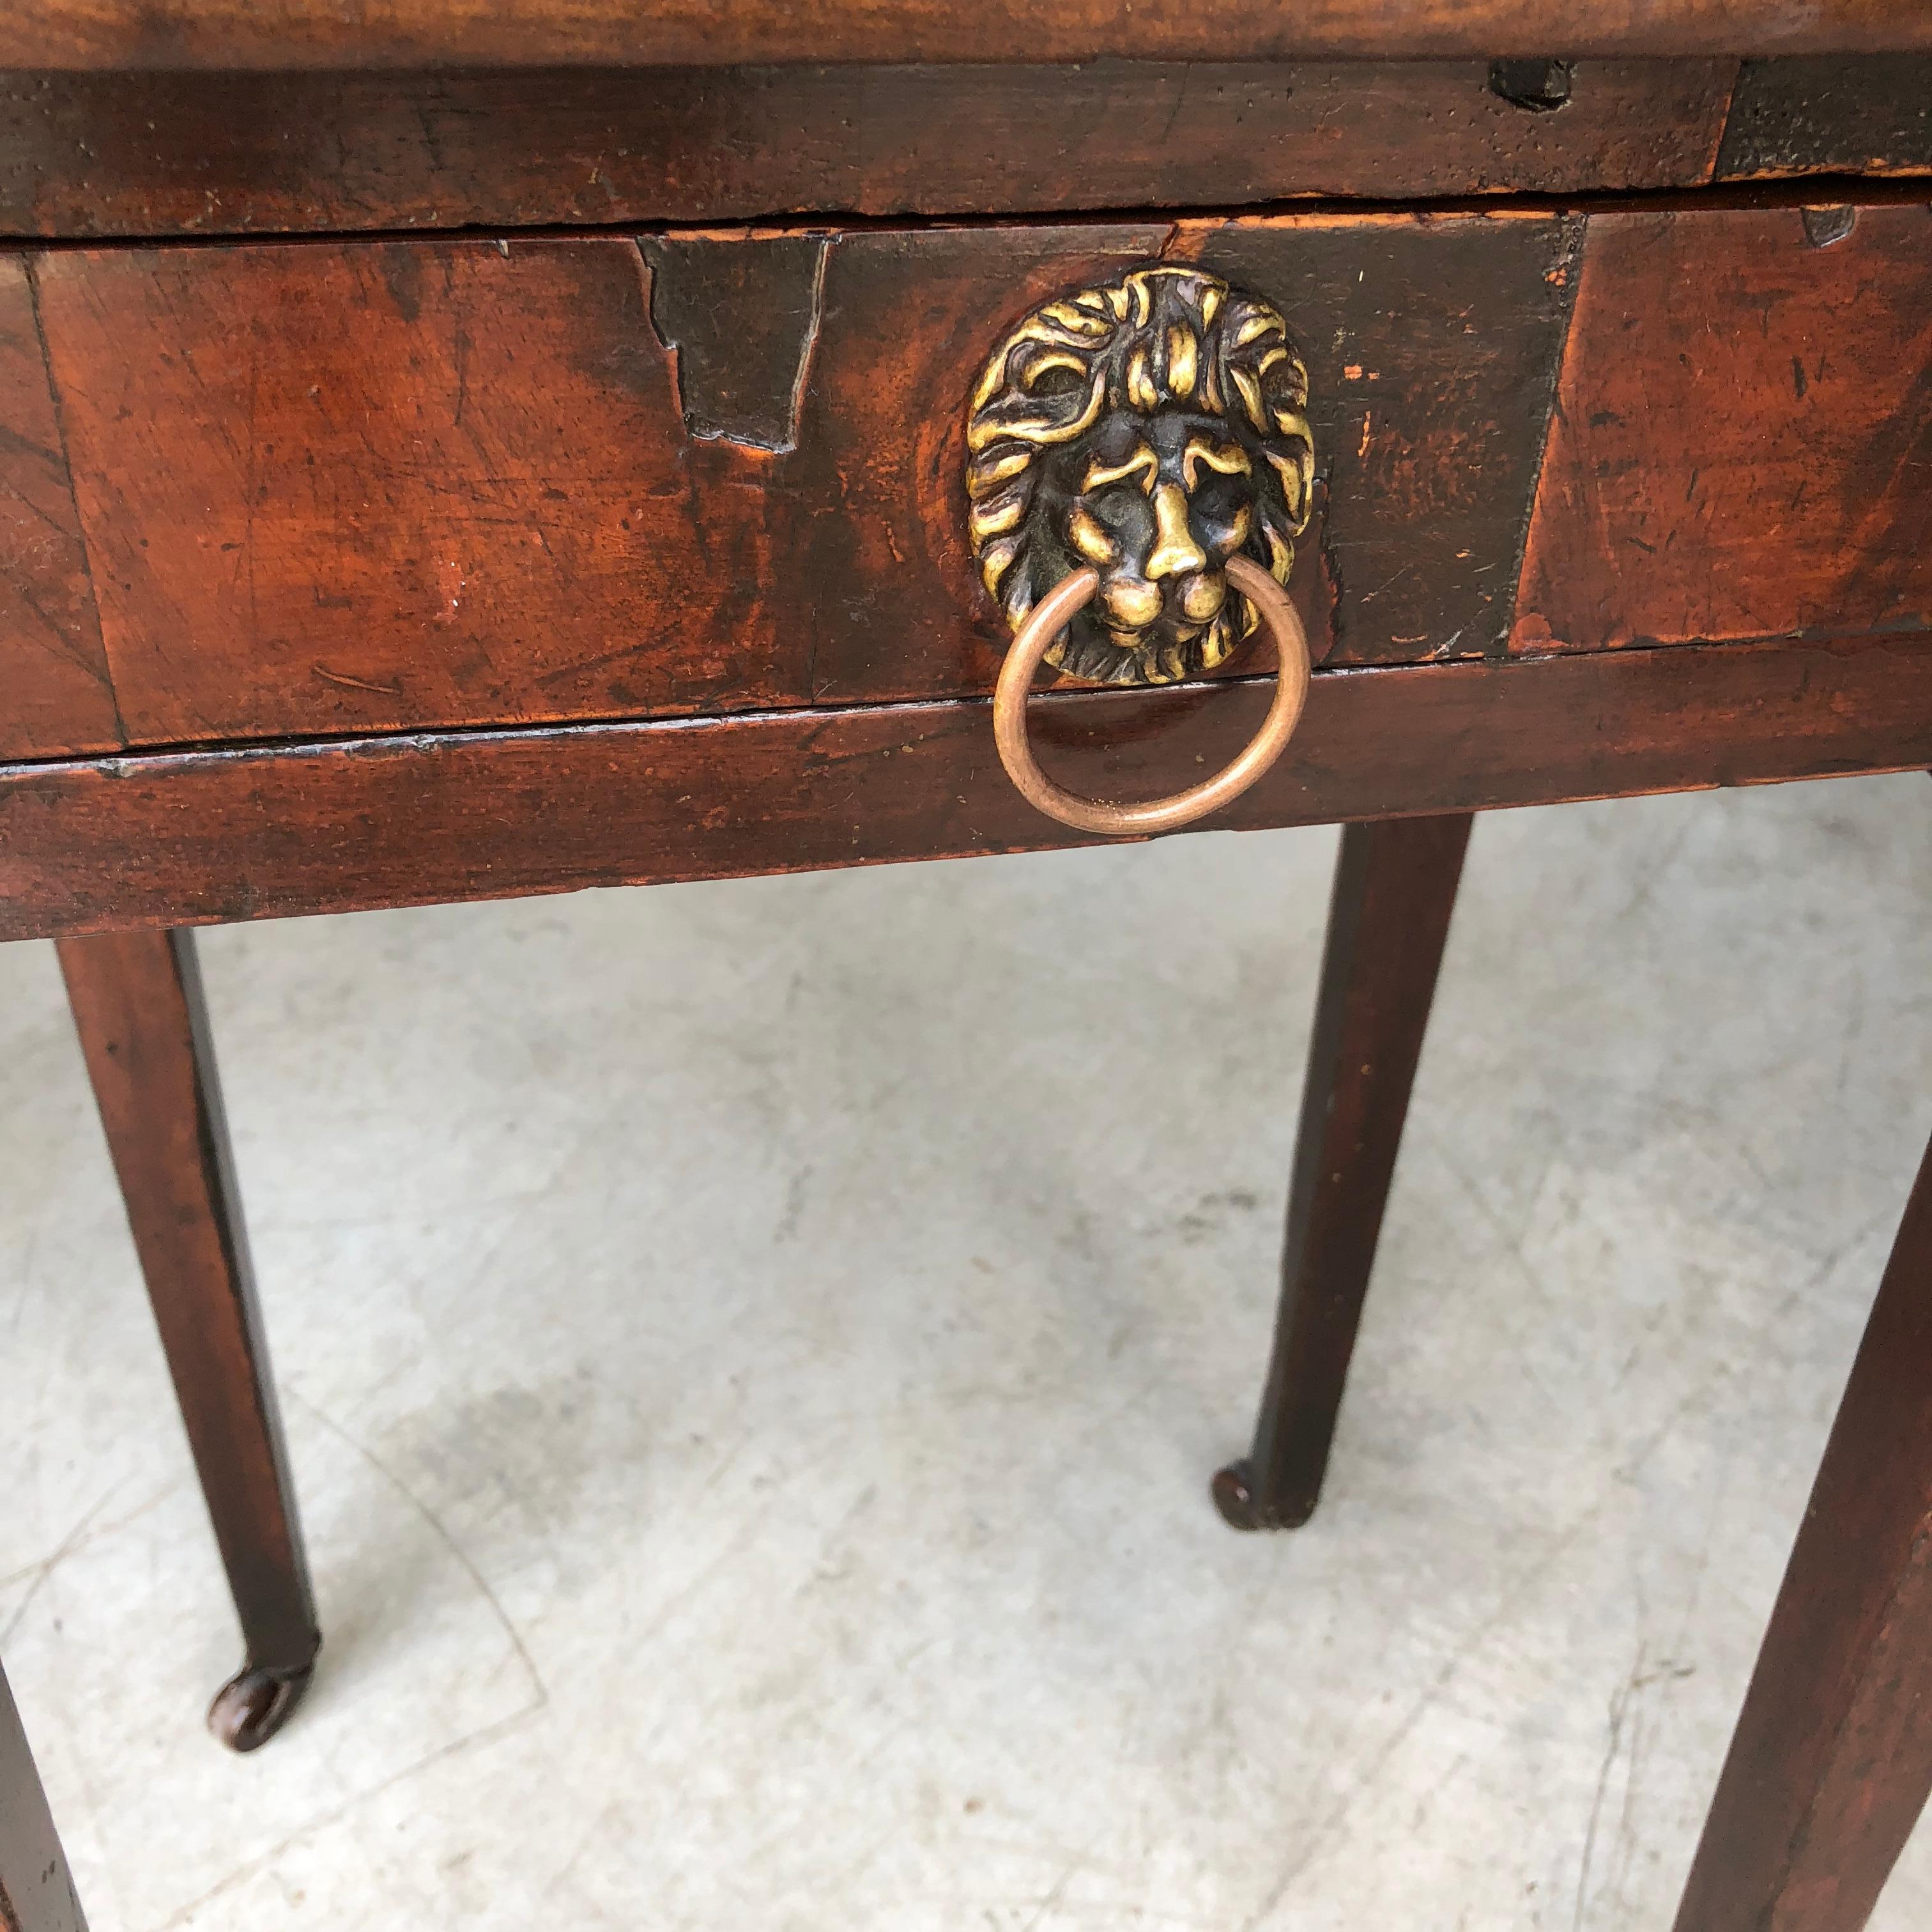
<point>349,683</point>
<point>647,284</point>
<point>813,322</point>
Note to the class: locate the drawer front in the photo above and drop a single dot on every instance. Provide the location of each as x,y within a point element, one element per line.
<point>354,486</point>
<point>337,488</point>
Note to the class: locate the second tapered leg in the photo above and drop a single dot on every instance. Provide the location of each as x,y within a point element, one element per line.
<point>1395,889</point>
<point>1831,1761</point>
<point>137,1003</point>
<point>36,1893</point>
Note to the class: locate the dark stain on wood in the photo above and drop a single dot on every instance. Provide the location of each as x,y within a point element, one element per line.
<point>1824,225</point>
<point>742,316</point>
<point>1693,487</point>
<point>172,838</point>
<point>54,692</point>
<point>878,571</point>
<point>1830,114</point>
<point>1431,346</point>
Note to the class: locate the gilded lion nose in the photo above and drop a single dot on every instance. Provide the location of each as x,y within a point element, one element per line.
<point>1131,602</point>
<point>1175,553</point>
<point>1201,597</point>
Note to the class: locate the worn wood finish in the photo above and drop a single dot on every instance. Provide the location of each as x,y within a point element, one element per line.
<point>196,837</point>
<point>1395,890</point>
<point>1742,445</point>
<point>258,34</point>
<point>1830,114</point>
<point>366,487</point>
<point>1432,346</point>
<point>331,489</point>
<point>137,1004</point>
<point>37,1892</point>
<point>1831,1762</point>
<point>54,695</point>
<point>429,484</point>
<point>118,154</point>
<point>540,481</point>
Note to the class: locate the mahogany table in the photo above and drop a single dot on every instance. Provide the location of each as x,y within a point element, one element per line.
<point>452,450</point>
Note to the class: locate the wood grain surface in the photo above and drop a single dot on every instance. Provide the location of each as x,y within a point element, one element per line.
<point>136,154</point>
<point>347,487</point>
<point>330,489</point>
<point>1433,346</point>
<point>268,34</point>
<point>184,838</point>
<point>54,694</point>
<point>366,487</point>
<point>1742,445</point>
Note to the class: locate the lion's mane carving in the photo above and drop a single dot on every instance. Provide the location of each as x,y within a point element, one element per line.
<point>1151,428</point>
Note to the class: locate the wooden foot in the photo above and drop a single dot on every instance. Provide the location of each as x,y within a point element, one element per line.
<point>36,1893</point>
<point>1831,1762</point>
<point>137,1002</point>
<point>1395,888</point>
<point>255,1703</point>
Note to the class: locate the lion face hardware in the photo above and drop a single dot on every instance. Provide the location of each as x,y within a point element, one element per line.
<point>1149,428</point>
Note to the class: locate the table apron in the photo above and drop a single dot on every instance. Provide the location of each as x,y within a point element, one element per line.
<point>203,836</point>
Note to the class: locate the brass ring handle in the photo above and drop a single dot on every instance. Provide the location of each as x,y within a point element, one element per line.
<point>1035,638</point>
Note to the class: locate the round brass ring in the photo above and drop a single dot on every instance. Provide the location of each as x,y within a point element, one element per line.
<point>1035,638</point>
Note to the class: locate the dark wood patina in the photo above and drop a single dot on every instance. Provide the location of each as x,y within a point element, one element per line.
<point>1395,889</point>
<point>143,1025</point>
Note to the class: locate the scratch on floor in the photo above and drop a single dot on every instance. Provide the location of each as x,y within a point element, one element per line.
<point>1627,1730</point>
<point>42,1571</point>
<point>1507,1598</point>
<point>487,1734</point>
<point>430,1516</point>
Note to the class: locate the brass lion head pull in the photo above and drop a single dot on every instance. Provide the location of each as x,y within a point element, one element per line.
<point>1148,429</point>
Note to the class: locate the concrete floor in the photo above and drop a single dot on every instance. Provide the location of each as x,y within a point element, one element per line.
<point>754,1355</point>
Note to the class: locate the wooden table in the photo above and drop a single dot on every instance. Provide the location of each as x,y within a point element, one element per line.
<point>498,449</point>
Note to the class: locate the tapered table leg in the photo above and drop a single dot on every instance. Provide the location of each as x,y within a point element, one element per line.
<point>36,1893</point>
<point>1831,1762</point>
<point>1395,889</point>
<point>137,1002</point>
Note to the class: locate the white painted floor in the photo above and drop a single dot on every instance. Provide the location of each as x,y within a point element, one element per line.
<point>754,1355</point>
